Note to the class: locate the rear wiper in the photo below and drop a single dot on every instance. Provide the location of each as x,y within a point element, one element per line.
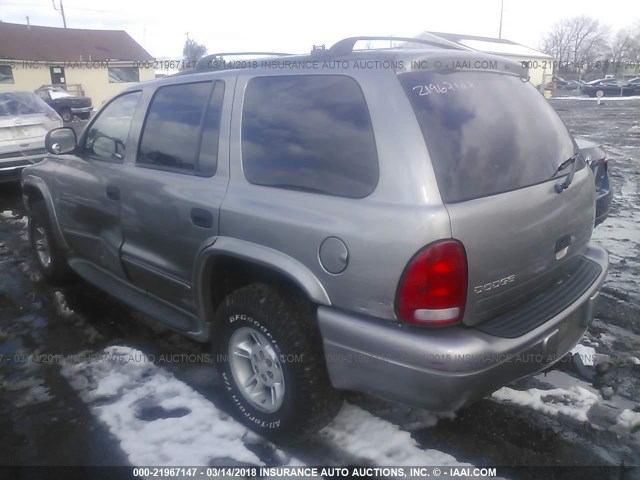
<point>566,163</point>
<point>564,185</point>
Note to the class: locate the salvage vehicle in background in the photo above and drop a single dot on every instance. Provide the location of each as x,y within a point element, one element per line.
<point>66,105</point>
<point>24,121</point>
<point>429,245</point>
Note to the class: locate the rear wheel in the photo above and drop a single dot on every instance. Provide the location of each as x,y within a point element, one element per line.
<point>270,357</point>
<point>47,255</point>
<point>66,115</point>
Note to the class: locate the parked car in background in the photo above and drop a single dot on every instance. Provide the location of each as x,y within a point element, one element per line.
<point>24,122</point>
<point>66,105</point>
<point>597,159</point>
<point>610,87</point>
<point>571,85</point>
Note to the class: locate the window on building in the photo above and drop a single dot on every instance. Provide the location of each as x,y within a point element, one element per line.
<point>6,74</point>
<point>107,136</point>
<point>311,133</point>
<point>182,128</point>
<point>124,74</point>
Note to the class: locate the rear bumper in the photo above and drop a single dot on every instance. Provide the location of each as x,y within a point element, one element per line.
<point>603,204</point>
<point>445,369</point>
<point>11,168</point>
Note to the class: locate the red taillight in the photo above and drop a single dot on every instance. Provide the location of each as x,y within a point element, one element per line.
<point>433,288</point>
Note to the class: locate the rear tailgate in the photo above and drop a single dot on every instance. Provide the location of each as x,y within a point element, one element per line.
<point>495,146</point>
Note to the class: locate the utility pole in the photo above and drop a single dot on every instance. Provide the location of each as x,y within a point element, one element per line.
<point>61,10</point>
<point>501,10</point>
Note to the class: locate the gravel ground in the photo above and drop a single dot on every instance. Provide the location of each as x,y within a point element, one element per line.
<point>64,413</point>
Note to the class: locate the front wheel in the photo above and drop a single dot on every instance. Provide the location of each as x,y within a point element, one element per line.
<point>49,259</point>
<point>270,357</point>
<point>66,115</point>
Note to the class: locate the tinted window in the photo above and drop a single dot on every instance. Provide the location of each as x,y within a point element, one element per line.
<point>177,116</point>
<point>107,137</point>
<point>311,133</point>
<point>486,133</point>
<point>123,74</point>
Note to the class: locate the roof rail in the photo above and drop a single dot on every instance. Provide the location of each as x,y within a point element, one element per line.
<point>345,46</point>
<point>207,62</point>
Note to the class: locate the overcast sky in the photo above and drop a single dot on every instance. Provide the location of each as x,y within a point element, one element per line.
<point>294,26</point>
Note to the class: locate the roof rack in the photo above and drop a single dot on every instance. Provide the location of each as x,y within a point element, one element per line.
<point>345,46</point>
<point>206,63</point>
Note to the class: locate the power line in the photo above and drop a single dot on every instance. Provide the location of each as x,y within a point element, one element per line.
<point>61,10</point>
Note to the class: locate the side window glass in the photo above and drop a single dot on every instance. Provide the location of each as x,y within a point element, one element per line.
<point>310,133</point>
<point>177,116</point>
<point>107,137</point>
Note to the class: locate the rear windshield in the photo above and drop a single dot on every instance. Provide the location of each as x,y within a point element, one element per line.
<point>21,103</point>
<point>486,133</point>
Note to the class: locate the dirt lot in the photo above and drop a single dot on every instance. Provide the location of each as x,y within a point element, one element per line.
<point>157,408</point>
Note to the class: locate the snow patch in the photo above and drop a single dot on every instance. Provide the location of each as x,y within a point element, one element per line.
<point>123,386</point>
<point>61,305</point>
<point>607,339</point>
<point>15,217</point>
<point>587,354</point>
<point>365,436</point>
<point>593,99</point>
<point>628,421</point>
<point>573,402</point>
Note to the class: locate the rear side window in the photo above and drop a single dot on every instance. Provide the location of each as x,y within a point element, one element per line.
<point>22,103</point>
<point>486,133</point>
<point>182,128</point>
<point>311,133</point>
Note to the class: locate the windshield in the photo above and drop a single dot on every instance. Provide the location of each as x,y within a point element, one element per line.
<point>486,133</point>
<point>22,103</point>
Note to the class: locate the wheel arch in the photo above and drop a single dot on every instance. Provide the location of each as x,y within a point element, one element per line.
<point>35,189</point>
<point>229,264</point>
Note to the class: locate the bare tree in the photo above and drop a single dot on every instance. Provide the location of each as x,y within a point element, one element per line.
<point>193,51</point>
<point>632,52</point>
<point>577,42</point>
<point>621,45</point>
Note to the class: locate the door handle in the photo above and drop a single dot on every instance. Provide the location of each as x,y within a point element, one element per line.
<point>201,218</point>
<point>113,193</point>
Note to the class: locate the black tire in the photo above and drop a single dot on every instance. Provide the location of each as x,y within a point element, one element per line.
<point>66,115</point>
<point>287,322</point>
<point>84,116</point>
<point>56,271</point>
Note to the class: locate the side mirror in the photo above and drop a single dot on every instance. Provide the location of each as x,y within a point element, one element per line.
<point>60,141</point>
